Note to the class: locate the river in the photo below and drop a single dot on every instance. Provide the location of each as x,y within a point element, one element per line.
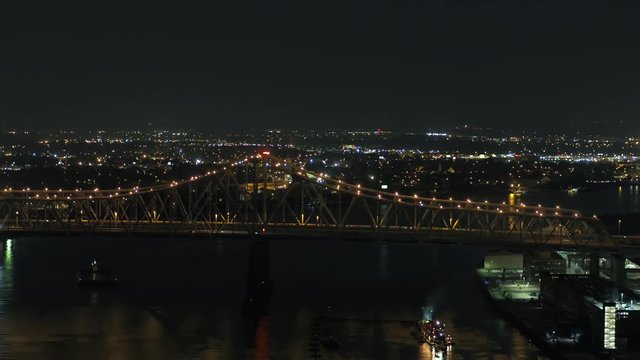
<point>181,298</point>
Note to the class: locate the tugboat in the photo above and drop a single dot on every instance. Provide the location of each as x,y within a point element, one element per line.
<point>432,332</point>
<point>97,275</point>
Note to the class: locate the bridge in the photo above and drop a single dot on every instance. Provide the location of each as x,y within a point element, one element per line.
<point>263,196</point>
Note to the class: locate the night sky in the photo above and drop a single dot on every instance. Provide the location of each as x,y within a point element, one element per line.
<point>408,65</point>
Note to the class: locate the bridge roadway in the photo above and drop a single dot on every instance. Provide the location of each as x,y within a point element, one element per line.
<point>266,196</point>
<point>399,234</point>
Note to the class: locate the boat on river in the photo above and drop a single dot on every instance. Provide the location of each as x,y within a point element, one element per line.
<point>433,333</point>
<point>97,275</point>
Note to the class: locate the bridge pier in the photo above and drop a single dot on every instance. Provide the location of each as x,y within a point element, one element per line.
<point>615,268</point>
<point>259,283</point>
<point>594,263</point>
<point>618,272</point>
<point>256,301</point>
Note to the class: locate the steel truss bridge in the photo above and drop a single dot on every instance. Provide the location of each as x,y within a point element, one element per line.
<point>263,195</point>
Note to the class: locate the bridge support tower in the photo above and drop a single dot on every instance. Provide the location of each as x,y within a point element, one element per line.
<point>259,283</point>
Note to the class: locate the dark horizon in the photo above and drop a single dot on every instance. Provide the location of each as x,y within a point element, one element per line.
<point>399,65</point>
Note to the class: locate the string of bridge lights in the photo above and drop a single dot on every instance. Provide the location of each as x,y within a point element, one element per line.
<point>325,179</point>
<point>97,193</point>
<point>358,190</point>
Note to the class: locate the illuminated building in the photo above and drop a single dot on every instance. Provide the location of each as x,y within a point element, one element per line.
<point>612,315</point>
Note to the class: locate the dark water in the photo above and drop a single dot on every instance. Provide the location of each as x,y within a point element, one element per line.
<point>610,200</point>
<point>613,200</point>
<point>180,298</point>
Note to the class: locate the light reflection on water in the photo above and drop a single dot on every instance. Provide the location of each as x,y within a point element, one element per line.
<point>6,291</point>
<point>181,298</point>
<point>610,200</point>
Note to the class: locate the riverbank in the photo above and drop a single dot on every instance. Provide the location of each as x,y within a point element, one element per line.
<point>535,321</point>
